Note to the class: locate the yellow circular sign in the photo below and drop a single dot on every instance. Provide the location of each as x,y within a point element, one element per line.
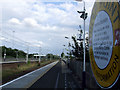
<point>104,43</point>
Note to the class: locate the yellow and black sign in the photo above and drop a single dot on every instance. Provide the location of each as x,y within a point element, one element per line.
<point>104,43</point>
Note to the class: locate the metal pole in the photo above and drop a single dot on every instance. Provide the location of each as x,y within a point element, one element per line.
<point>50,57</point>
<point>84,73</point>
<point>84,39</point>
<point>27,54</point>
<point>4,54</point>
<point>39,55</point>
<point>16,55</point>
<point>13,38</point>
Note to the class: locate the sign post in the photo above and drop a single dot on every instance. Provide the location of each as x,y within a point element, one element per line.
<point>104,43</point>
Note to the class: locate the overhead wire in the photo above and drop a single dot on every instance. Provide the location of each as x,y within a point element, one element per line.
<point>8,38</point>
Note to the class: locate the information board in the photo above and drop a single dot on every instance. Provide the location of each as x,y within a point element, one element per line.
<point>104,43</point>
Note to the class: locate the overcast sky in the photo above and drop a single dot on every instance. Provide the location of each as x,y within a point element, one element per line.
<point>41,23</point>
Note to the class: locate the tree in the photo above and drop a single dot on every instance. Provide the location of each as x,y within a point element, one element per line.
<point>62,54</point>
<point>77,51</point>
<point>12,52</point>
<point>77,48</point>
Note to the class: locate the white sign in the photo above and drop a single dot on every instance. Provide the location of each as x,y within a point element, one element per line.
<point>102,39</point>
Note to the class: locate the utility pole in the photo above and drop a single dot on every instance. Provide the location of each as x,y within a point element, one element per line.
<point>27,54</point>
<point>13,38</point>
<point>83,16</point>
<point>39,55</point>
<point>16,55</point>
<point>4,54</point>
<point>84,73</point>
<point>84,39</point>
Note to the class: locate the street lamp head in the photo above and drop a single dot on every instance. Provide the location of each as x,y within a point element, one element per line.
<point>64,45</point>
<point>66,37</point>
<point>84,16</point>
<point>81,11</point>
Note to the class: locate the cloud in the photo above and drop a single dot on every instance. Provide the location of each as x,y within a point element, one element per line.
<point>36,43</point>
<point>14,21</point>
<point>2,38</point>
<point>43,23</point>
<point>48,27</point>
<point>30,22</point>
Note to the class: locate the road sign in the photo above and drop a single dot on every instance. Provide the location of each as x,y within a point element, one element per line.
<point>104,43</point>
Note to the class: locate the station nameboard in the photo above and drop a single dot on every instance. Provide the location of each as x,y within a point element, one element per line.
<point>104,43</point>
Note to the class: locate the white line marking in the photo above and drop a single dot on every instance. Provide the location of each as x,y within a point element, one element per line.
<point>56,85</point>
<point>65,82</point>
<point>65,88</point>
<point>26,75</point>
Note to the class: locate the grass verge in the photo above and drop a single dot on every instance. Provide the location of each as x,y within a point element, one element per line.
<point>10,72</point>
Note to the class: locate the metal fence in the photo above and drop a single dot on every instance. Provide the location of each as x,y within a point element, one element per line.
<point>77,68</point>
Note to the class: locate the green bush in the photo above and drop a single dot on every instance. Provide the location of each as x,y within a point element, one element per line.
<point>28,62</point>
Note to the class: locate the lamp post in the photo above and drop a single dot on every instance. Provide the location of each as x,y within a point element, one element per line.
<point>39,54</point>
<point>13,38</point>
<point>83,16</point>
<point>17,55</point>
<point>27,54</point>
<point>4,54</point>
